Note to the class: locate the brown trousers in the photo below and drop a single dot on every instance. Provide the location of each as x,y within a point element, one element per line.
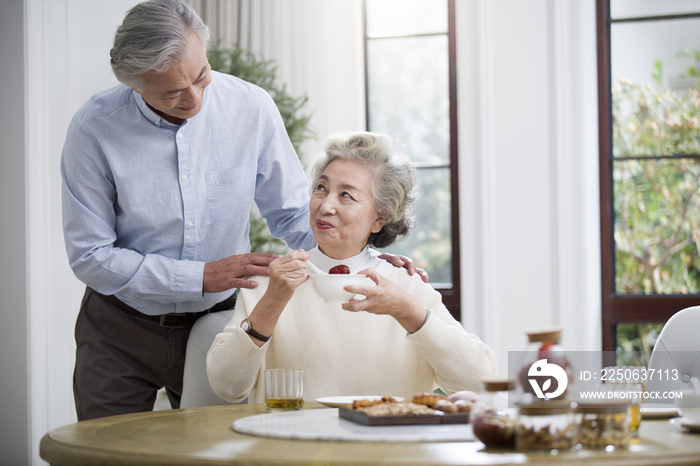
<point>122,361</point>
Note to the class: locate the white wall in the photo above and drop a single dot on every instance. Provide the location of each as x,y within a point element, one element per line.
<point>14,382</point>
<point>67,60</point>
<point>528,166</point>
<point>528,171</point>
<point>318,47</point>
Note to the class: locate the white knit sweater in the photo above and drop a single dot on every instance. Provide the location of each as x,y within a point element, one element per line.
<point>346,353</point>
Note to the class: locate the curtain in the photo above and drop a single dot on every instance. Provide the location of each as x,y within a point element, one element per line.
<point>229,21</point>
<point>317,46</point>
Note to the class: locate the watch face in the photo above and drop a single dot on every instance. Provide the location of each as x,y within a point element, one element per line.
<point>245,325</point>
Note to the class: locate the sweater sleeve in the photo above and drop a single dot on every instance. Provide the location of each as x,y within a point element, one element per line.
<point>234,361</point>
<point>460,359</point>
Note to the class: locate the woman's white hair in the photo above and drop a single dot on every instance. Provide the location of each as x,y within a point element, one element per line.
<point>153,36</point>
<point>395,180</point>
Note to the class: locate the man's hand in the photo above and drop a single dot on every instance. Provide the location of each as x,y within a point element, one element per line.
<point>231,271</point>
<point>408,264</point>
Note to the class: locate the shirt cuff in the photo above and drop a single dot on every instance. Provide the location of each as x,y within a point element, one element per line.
<point>189,281</point>
<point>427,316</point>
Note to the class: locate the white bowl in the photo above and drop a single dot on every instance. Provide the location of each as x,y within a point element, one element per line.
<point>330,287</point>
<point>689,405</point>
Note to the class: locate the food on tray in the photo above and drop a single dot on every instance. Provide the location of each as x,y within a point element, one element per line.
<point>340,269</point>
<point>361,404</point>
<point>446,406</point>
<point>388,406</point>
<point>427,398</point>
<point>463,406</point>
<point>397,409</point>
<point>465,395</point>
<point>443,403</point>
<point>388,411</point>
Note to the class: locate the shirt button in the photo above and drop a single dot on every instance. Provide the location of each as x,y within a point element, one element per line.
<point>184,177</point>
<point>179,135</point>
<point>190,223</point>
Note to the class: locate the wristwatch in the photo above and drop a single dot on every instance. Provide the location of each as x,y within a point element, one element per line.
<point>248,328</point>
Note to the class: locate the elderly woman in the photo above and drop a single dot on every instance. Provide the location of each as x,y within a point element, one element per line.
<point>394,338</point>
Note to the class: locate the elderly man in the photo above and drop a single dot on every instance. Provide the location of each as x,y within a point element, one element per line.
<point>159,176</point>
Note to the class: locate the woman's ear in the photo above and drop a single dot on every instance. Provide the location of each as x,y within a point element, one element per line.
<point>377,225</point>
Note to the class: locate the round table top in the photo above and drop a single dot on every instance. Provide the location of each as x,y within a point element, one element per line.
<point>204,436</point>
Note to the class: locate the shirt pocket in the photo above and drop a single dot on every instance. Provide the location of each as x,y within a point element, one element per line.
<point>229,195</point>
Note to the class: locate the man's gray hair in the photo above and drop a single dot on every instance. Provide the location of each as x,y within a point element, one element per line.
<point>153,36</point>
<point>395,180</point>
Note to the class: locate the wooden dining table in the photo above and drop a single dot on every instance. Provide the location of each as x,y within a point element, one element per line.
<point>205,436</point>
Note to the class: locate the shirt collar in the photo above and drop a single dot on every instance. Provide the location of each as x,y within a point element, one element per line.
<point>156,119</point>
<point>364,260</point>
<point>150,115</point>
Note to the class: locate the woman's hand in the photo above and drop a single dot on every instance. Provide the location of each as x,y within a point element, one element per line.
<point>387,298</point>
<point>286,274</point>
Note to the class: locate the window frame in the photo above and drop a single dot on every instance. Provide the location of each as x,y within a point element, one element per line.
<point>617,309</point>
<point>451,297</point>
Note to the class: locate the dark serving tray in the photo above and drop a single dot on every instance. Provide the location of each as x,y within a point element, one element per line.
<point>403,420</point>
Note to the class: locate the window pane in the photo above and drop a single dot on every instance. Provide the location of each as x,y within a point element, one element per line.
<point>636,47</point>
<point>635,341</point>
<point>430,243</point>
<point>649,120</point>
<point>408,90</point>
<point>400,17</point>
<point>639,8</point>
<point>657,226</point>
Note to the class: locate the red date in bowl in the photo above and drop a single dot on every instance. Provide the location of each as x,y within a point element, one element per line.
<point>340,269</point>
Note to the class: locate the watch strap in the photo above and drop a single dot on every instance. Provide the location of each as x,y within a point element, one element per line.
<point>251,331</point>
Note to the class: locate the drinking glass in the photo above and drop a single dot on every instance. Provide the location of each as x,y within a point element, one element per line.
<point>630,385</point>
<point>284,389</point>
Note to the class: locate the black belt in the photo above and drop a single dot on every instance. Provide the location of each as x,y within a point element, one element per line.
<point>174,320</point>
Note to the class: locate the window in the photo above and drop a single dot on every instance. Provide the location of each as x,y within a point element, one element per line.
<point>649,85</point>
<point>411,95</point>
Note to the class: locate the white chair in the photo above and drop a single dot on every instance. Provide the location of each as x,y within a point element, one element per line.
<point>196,390</point>
<point>676,353</point>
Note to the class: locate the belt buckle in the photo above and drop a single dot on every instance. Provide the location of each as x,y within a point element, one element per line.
<point>164,317</point>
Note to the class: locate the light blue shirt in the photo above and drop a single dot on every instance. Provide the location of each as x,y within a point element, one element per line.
<point>147,203</point>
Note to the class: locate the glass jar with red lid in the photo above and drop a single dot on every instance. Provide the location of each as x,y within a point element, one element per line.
<point>493,421</point>
<point>545,371</point>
